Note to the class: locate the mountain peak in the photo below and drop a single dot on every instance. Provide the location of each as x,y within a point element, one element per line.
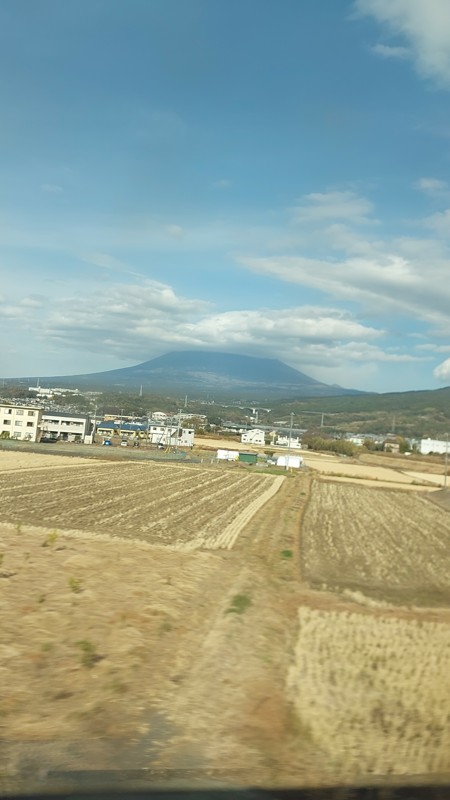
<point>205,371</point>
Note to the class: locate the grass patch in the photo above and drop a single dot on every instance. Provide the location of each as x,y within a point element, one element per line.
<point>277,471</point>
<point>165,627</point>
<point>239,604</point>
<point>286,554</point>
<point>89,655</point>
<point>75,585</point>
<point>51,539</point>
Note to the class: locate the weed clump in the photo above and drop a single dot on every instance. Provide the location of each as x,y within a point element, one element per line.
<point>75,585</point>
<point>89,655</point>
<point>51,539</point>
<point>239,604</point>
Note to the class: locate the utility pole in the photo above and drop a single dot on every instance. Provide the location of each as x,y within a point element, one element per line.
<point>288,457</point>
<point>175,433</point>
<point>95,422</point>
<point>446,460</point>
<point>321,421</point>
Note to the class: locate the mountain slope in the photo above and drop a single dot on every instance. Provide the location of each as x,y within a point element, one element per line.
<point>203,372</point>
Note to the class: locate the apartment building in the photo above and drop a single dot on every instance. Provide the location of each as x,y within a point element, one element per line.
<point>66,427</point>
<point>20,422</point>
<point>152,432</point>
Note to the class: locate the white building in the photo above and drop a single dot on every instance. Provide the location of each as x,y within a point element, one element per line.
<point>283,441</point>
<point>255,436</point>
<point>433,446</point>
<point>159,415</point>
<point>171,435</point>
<point>47,392</point>
<point>20,422</point>
<point>65,427</point>
<point>358,440</point>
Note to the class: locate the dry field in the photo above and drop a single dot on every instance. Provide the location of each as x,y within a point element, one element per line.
<point>183,507</point>
<point>14,460</point>
<point>370,674</point>
<point>388,545</point>
<point>336,467</point>
<point>428,464</point>
<point>167,617</point>
<point>373,692</point>
<point>118,653</point>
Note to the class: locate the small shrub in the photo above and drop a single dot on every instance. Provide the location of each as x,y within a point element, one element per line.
<point>75,585</point>
<point>165,626</point>
<point>286,554</point>
<point>239,604</point>
<point>89,654</point>
<point>42,598</point>
<point>51,539</point>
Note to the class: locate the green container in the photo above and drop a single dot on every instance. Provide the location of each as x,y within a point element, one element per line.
<point>248,458</point>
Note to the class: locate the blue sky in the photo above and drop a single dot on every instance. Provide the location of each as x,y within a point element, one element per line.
<point>253,177</point>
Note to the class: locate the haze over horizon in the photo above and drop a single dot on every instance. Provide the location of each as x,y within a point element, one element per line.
<point>264,179</point>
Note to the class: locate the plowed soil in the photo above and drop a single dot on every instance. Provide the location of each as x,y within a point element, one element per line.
<point>390,545</point>
<point>170,505</point>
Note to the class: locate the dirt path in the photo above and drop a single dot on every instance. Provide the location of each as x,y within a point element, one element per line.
<point>234,704</point>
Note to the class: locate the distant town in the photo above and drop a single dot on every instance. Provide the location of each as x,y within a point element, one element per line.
<point>51,415</point>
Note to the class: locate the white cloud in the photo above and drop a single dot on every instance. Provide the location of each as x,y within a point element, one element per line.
<point>423,25</point>
<point>434,348</point>
<point>332,206</point>
<point>439,223</point>
<point>383,283</point>
<point>442,371</point>
<point>106,261</point>
<point>51,188</point>
<point>266,327</point>
<point>388,51</point>
<point>33,301</point>
<point>431,185</point>
<point>138,321</point>
<point>11,311</point>
<point>223,183</point>
<point>176,231</point>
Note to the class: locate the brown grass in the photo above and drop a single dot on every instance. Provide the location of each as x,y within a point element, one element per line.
<point>374,692</point>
